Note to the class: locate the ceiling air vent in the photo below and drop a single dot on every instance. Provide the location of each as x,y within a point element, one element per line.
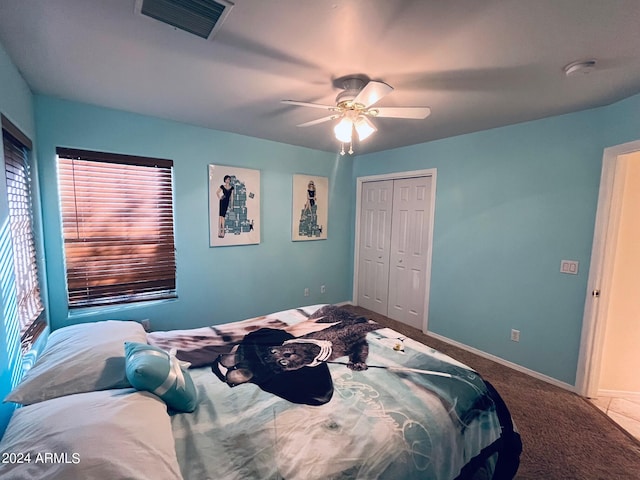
<point>199,17</point>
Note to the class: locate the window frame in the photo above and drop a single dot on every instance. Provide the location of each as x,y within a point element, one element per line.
<point>30,328</point>
<point>94,284</point>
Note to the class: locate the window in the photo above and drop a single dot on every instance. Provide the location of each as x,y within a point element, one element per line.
<point>117,222</point>
<point>16,147</point>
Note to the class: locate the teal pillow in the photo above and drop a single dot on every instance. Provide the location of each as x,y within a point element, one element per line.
<point>151,369</point>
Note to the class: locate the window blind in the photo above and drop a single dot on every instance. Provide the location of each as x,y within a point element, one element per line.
<point>117,222</point>
<point>17,170</point>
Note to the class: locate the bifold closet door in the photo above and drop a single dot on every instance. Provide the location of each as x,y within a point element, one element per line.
<point>395,218</point>
<point>374,247</point>
<point>409,250</point>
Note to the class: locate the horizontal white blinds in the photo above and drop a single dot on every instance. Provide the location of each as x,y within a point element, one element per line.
<point>17,172</point>
<point>117,219</point>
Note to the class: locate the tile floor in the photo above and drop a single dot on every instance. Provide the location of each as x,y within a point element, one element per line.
<point>625,411</point>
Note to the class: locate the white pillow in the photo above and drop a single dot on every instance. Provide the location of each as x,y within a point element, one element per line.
<point>112,434</point>
<point>79,358</point>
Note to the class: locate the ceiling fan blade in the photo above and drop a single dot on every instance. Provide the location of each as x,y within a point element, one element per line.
<point>372,92</point>
<point>416,113</point>
<point>308,104</point>
<point>319,120</point>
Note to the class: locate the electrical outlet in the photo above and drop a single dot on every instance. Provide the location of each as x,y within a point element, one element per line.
<point>306,292</point>
<point>515,335</point>
<point>323,289</point>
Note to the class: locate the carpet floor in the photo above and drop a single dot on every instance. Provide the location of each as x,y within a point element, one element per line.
<point>564,436</point>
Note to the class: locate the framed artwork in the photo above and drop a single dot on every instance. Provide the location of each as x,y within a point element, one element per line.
<point>234,206</point>
<point>310,207</point>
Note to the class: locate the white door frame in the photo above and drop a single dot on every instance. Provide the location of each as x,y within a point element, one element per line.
<point>601,268</point>
<point>431,172</point>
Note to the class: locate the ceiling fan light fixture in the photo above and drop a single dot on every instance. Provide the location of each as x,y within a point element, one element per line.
<point>364,127</point>
<point>353,110</point>
<point>343,130</point>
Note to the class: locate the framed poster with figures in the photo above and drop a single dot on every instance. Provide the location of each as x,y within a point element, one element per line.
<point>234,206</point>
<point>310,207</point>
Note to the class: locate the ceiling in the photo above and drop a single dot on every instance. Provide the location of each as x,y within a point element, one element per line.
<point>477,64</point>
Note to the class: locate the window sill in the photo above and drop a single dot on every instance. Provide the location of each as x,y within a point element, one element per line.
<point>82,312</point>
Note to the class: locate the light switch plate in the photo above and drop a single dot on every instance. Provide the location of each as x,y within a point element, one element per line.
<point>569,266</point>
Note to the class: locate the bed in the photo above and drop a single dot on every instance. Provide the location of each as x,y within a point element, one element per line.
<point>309,393</point>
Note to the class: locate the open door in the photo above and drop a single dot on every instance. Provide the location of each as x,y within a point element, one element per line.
<point>599,286</point>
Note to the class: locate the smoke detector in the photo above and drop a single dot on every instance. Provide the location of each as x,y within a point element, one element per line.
<point>583,67</point>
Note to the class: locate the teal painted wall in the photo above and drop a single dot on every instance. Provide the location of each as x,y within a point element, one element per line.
<point>511,203</point>
<point>215,285</point>
<point>621,121</point>
<point>16,104</point>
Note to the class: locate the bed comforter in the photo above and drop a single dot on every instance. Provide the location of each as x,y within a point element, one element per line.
<point>318,393</point>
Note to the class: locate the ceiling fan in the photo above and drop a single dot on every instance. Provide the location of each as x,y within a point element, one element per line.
<point>355,108</point>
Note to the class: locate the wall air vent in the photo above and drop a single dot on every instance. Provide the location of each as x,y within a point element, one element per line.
<point>199,17</point>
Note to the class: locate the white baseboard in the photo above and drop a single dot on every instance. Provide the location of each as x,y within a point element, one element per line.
<point>506,363</point>
<point>618,393</point>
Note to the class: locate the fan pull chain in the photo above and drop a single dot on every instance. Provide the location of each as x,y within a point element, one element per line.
<point>342,152</point>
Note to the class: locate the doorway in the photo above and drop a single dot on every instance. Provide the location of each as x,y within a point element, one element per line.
<point>609,325</point>
<point>394,225</point>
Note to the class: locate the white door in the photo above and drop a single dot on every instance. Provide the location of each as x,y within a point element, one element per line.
<point>409,250</point>
<point>600,287</point>
<point>374,248</point>
<point>394,248</point>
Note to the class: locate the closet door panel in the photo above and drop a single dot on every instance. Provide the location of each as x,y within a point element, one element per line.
<point>374,247</point>
<point>409,249</point>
